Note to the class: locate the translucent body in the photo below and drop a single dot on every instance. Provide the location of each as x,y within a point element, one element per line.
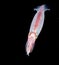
<point>35,28</point>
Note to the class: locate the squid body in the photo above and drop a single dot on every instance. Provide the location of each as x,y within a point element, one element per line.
<point>35,28</point>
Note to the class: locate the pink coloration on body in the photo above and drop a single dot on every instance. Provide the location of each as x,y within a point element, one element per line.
<point>37,20</point>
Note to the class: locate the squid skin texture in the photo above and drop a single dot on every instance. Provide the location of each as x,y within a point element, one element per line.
<point>35,28</point>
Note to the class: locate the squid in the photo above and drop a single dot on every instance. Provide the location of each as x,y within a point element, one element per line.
<point>35,28</point>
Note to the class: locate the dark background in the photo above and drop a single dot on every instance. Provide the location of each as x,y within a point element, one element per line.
<point>47,43</point>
